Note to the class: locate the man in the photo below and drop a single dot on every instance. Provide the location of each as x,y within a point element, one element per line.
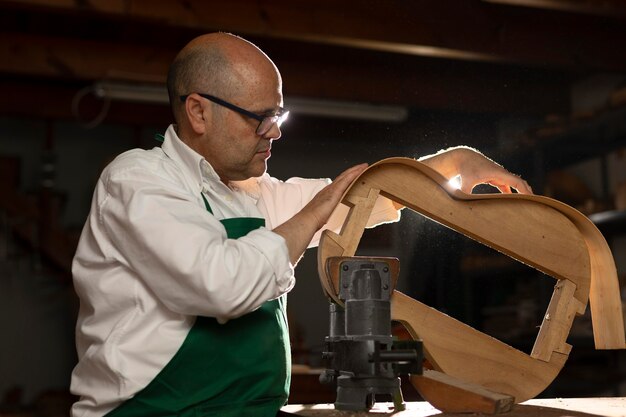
<point>189,250</point>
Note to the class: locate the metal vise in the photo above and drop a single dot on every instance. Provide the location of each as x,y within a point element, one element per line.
<point>362,358</point>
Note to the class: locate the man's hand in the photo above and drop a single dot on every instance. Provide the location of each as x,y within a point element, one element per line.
<point>475,168</point>
<point>299,230</point>
<point>323,204</point>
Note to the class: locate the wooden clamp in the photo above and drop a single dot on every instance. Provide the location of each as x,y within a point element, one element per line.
<point>541,232</point>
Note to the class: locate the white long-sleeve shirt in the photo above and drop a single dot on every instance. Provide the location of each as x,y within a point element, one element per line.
<point>151,258</point>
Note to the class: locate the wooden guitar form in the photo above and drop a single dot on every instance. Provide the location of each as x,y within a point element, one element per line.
<point>538,231</point>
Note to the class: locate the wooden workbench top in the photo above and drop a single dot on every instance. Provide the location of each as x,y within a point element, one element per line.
<point>557,407</point>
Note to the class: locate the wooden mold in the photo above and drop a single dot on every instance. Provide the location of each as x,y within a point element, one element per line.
<point>538,231</point>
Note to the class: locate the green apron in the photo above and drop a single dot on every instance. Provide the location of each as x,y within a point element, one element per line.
<point>241,368</point>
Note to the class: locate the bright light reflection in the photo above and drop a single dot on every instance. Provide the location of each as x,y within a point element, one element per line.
<point>455,182</point>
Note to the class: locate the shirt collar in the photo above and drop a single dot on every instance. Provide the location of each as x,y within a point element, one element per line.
<point>250,186</point>
<point>198,168</point>
<point>188,159</point>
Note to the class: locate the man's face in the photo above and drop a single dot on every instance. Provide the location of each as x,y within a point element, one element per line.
<point>233,148</point>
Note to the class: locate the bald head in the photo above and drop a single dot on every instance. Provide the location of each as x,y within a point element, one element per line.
<point>219,64</point>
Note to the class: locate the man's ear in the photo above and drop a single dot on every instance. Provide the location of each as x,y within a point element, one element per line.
<point>195,111</point>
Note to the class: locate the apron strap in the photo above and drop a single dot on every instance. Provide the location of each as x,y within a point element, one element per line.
<point>206,203</point>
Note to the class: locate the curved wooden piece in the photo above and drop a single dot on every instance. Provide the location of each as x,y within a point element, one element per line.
<point>453,396</point>
<point>541,232</point>
<point>463,352</point>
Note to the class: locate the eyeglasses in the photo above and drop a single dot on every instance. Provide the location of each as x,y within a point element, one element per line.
<point>265,122</point>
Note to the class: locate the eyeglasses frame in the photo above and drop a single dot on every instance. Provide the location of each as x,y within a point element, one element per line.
<point>279,116</point>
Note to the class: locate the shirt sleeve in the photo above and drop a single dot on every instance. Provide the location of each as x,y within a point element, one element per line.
<point>281,200</point>
<point>181,252</point>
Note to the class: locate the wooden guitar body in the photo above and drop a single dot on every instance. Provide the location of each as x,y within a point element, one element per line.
<point>538,231</point>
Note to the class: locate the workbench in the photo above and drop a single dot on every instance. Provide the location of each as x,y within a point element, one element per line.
<point>557,407</point>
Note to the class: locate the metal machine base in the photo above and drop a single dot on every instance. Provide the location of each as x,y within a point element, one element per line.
<point>363,359</point>
<point>358,394</point>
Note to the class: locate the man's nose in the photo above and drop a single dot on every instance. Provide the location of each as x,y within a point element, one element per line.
<point>274,133</point>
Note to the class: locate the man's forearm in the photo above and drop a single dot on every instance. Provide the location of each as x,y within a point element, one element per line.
<point>298,232</point>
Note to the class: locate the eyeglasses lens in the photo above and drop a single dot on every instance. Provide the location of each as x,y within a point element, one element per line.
<point>267,123</point>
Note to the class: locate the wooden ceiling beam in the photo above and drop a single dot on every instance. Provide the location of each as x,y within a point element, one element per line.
<point>419,83</point>
<point>69,58</point>
<point>608,8</point>
<point>429,87</point>
<point>467,29</point>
